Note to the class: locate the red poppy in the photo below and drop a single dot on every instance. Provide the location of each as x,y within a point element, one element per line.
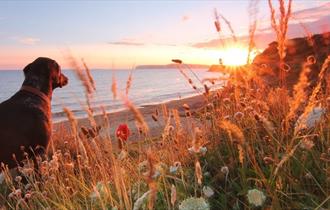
<point>123,132</point>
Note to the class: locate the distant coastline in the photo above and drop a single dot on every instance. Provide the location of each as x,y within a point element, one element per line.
<point>172,66</point>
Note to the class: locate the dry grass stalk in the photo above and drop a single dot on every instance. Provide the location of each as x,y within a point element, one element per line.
<point>286,158</point>
<point>299,94</point>
<point>231,29</point>
<point>138,116</point>
<point>114,86</point>
<point>315,97</point>
<point>89,75</point>
<point>74,124</point>
<point>253,13</point>
<point>164,111</point>
<point>79,72</point>
<point>129,82</point>
<point>281,31</point>
<point>173,195</point>
<point>198,172</point>
<point>236,136</point>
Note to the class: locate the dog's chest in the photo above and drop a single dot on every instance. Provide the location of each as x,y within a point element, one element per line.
<point>41,109</point>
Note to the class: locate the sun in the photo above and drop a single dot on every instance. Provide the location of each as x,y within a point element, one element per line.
<point>235,56</point>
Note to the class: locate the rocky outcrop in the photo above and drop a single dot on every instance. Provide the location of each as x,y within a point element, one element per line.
<point>297,52</point>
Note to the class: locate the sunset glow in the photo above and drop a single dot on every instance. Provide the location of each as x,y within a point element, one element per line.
<point>235,56</point>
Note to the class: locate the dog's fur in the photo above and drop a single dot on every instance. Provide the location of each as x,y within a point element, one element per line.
<point>25,118</point>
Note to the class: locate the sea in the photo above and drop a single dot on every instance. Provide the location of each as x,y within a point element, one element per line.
<point>148,86</point>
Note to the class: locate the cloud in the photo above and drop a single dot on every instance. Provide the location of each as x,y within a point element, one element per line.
<point>185,18</point>
<point>314,13</point>
<point>127,43</point>
<point>28,40</point>
<point>315,20</point>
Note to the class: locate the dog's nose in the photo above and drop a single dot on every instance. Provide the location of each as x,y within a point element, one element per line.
<point>64,80</point>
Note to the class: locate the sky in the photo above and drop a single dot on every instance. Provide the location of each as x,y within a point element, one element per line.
<point>123,34</point>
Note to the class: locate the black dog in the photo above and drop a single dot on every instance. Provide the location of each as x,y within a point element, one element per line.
<point>25,118</point>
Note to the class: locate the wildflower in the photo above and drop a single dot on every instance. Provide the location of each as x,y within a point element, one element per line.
<point>18,179</point>
<point>27,196</point>
<point>173,194</point>
<point>138,203</point>
<point>238,115</point>
<point>122,155</point>
<point>224,170</point>
<point>175,167</point>
<point>123,132</point>
<point>256,197</point>
<point>309,120</point>
<point>194,204</point>
<point>306,144</point>
<point>198,150</point>
<point>207,191</point>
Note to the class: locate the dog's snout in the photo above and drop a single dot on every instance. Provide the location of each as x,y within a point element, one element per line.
<point>63,80</point>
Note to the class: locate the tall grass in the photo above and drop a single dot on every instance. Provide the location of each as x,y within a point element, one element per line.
<point>238,151</point>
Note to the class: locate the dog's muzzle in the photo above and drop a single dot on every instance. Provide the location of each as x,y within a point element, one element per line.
<point>63,80</point>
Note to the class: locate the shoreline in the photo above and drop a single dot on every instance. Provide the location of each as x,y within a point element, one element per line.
<point>126,116</point>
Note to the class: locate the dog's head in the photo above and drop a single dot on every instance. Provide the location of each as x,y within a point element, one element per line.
<point>47,71</point>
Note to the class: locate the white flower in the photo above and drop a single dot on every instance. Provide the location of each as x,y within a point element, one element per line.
<point>224,170</point>
<point>238,115</point>
<point>256,197</point>
<point>309,120</point>
<point>201,150</point>
<point>138,203</point>
<point>208,192</point>
<point>156,174</point>
<point>175,167</point>
<point>122,155</point>
<point>194,204</point>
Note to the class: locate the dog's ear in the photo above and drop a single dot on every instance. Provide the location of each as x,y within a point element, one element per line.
<point>27,69</point>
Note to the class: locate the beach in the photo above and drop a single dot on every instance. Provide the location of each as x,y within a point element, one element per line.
<point>127,117</point>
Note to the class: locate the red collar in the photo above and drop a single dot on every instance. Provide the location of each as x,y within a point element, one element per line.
<point>36,92</point>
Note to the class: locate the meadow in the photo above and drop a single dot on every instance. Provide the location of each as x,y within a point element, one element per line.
<point>251,145</point>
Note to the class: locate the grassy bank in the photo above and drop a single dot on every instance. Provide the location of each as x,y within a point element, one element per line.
<point>244,149</point>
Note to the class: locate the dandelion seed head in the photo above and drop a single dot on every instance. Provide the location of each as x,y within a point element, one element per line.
<point>207,191</point>
<point>224,170</point>
<point>256,197</point>
<point>194,204</point>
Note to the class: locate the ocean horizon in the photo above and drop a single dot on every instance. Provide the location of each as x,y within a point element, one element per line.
<point>149,86</point>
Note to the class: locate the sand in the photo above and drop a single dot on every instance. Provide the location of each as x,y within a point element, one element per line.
<point>126,116</point>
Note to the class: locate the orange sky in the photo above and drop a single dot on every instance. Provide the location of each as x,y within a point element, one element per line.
<point>123,34</point>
